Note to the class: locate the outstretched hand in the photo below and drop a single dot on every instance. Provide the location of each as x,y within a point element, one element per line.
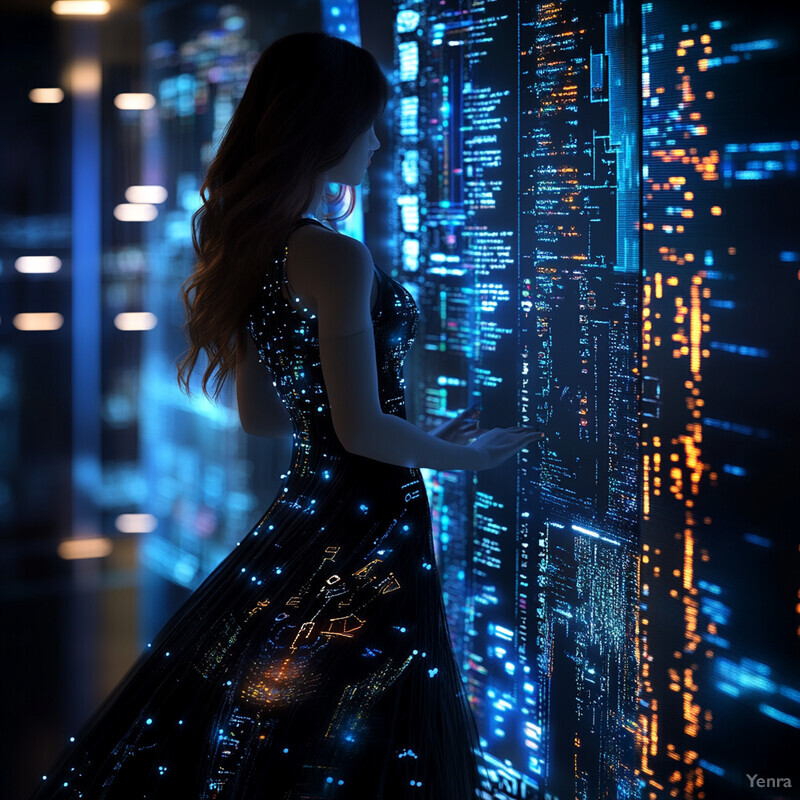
<point>461,429</point>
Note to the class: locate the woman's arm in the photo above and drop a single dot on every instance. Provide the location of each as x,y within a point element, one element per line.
<point>461,429</point>
<point>260,409</point>
<point>338,274</point>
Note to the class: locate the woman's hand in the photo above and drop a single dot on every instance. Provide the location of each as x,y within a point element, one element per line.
<point>461,429</point>
<point>498,444</point>
<point>492,446</point>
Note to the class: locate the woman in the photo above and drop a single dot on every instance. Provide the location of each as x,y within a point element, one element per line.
<point>315,660</point>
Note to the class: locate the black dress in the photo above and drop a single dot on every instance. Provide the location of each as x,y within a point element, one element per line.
<point>314,661</point>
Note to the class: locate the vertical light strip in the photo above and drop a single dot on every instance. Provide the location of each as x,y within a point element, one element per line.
<point>81,673</point>
<point>86,247</point>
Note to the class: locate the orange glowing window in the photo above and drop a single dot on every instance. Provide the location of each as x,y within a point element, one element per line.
<point>679,228</point>
<point>687,212</point>
<point>688,195</point>
<point>716,211</point>
<point>731,251</point>
<point>709,95</point>
<point>680,52</point>
<point>705,39</point>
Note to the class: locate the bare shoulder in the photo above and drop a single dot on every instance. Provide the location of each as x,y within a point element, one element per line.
<point>322,243</point>
<point>318,256</point>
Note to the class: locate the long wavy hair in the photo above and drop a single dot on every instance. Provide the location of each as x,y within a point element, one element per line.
<point>308,98</point>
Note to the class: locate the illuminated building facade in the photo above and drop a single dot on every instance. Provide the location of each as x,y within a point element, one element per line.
<point>719,606</point>
<point>517,141</point>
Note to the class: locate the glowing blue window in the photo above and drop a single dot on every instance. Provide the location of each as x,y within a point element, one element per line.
<point>408,56</point>
<point>410,167</point>
<point>410,249</point>
<point>409,212</point>
<point>409,116</point>
<point>407,21</point>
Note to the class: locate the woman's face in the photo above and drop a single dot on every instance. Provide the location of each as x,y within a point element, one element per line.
<point>350,170</point>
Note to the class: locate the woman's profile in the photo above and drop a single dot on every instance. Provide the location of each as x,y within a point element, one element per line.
<point>314,661</point>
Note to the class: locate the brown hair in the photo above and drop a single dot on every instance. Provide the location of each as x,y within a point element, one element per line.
<point>308,98</point>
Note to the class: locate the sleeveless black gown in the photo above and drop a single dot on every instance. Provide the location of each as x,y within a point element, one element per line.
<point>314,661</point>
